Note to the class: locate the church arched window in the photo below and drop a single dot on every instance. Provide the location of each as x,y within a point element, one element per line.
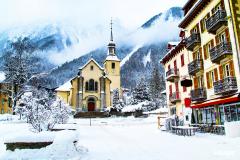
<point>96,86</point>
<point>91,85</point>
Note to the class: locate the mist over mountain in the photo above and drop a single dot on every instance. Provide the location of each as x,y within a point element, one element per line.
<point>61,49</point>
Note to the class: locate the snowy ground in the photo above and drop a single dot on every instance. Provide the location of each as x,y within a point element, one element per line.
<point>124,139</point>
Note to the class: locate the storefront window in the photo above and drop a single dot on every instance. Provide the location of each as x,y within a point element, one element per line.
<point>209,115</point>
<point>233,111</point>
<point>204,116</point>
<point>214,115</point>
<point>238,111</point>
<point>221,114</point>
<point>227,113</point>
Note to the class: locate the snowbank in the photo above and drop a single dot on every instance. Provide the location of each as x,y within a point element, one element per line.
<point>132,108</point>
<point>232,129</point>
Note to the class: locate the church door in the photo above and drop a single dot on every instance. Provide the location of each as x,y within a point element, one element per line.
<point>91,105</point>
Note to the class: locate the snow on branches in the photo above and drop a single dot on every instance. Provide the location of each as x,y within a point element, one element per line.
<point>42,110</point>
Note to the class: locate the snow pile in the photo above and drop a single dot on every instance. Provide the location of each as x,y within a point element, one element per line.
<point>65,87</point>
<point>2,76</point>
<point>63,148</point>
<point>134,107</point>
<point>8,117</point>
<point>232,129</point>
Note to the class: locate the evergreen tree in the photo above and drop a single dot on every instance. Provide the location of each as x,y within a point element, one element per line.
<point>140,93</point>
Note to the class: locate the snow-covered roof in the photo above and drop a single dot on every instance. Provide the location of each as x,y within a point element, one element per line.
<point>174,43</point>
<point>112,58</point>
<point>2,76</point>
<point>65,87</point>
<point>94,62</point>
<point>163,92</point>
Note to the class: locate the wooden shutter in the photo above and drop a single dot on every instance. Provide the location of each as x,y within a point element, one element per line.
<point>221,72</point>
<point>231,66</point>
<point>200,52</point>
<point>201,24</point>
<point>212,43</point>
<point>217,39</point>
<point>182,60</point>
<point>216,74</point>
<point>170,90</point>
<point>205,51</point>
<point>195,83</point>
<point>176,86</point>
<point>208,80</point>
<point>227,35</point>
<point>222,4</point>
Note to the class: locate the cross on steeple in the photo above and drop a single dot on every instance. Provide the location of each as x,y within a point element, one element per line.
<point>111,36</point>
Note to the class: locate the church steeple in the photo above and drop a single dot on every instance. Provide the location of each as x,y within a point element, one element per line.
<point>111,44</point>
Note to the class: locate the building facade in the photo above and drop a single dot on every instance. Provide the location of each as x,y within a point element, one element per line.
<point>211,43</point>
<point>92,88</point>
<point>5,97</point>
<point>176,66</point>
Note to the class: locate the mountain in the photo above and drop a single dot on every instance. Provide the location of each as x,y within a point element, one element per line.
<point>139,51</point>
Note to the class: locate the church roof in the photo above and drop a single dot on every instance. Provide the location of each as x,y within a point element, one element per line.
<point>65,87</point>
<point>112,58</point>
<point>91,61</point>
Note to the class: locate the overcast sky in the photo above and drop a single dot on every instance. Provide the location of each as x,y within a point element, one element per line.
<point>129,13</point>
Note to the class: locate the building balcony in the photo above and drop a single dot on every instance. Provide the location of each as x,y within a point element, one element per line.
<point>195,66</point>
<point>174,97</point>
<point>198,94</point>
<point>217,20</point>
<point>193,41</point>
<point>220,51</point>
<point>225,86</point>
<point>172,74</point>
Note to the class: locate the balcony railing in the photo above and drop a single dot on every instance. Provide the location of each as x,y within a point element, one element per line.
<point>195,66</point>
<point>174,97</point>
<point>198,94</point>
<point>225,86</point>
<point>220,51</point>
<point>193,41</point>
<point>217,20</point>
<point>172,74</point>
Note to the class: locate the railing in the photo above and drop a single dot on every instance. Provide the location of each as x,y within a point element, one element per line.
<point>192,41</point>
<point>174,97</point>
<point>195,66</point>
<point>172,73</point>
<point>215,21</point>
<point>198,94</point>
<point>216,53</point>
<point>226,85</point>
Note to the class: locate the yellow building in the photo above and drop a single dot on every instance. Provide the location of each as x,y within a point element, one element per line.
<point>212,36</point>
<point>91,89</point>
<point>6,102</point>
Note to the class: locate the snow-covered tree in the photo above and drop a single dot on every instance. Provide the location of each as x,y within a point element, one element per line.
<point>156,86</point>
<point>42,110</point>
<point>140,93</point>
<point>118,103</point>
<point>16,66</point>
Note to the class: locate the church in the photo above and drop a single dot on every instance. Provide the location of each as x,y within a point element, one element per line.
<point>92,89</point>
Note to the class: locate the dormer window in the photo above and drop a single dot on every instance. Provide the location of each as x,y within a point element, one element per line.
<point>113,65</point>
<point>91,68</point>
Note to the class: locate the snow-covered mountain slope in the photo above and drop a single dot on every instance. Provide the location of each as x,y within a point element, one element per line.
<point>67,45</point>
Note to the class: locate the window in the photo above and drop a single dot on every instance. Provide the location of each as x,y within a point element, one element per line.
<point>227,70</point>
<point>91,68</point>
<point>91,85</point>
<point>113,65</point>
<point>182,60</point>
<point>200,81</point>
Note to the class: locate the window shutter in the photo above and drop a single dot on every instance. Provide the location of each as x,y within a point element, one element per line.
<point>198,28</point>
<point>216,74</point>
<point>227,35</point>
<point>217,39</point>
<point>200,51</point>
<point>176,86</point>
<point>231,68</point>
<point>221,72</point>
<point>212,43</point>
<point>222,4</point>
<point>201,24</point>
<point>182,60</point>
<point>208,80</point>
<point>195,83</point>
<point>170,90</point>
<point>205,51</point>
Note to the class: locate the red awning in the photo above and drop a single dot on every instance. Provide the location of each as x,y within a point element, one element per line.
<point>217,102</point>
